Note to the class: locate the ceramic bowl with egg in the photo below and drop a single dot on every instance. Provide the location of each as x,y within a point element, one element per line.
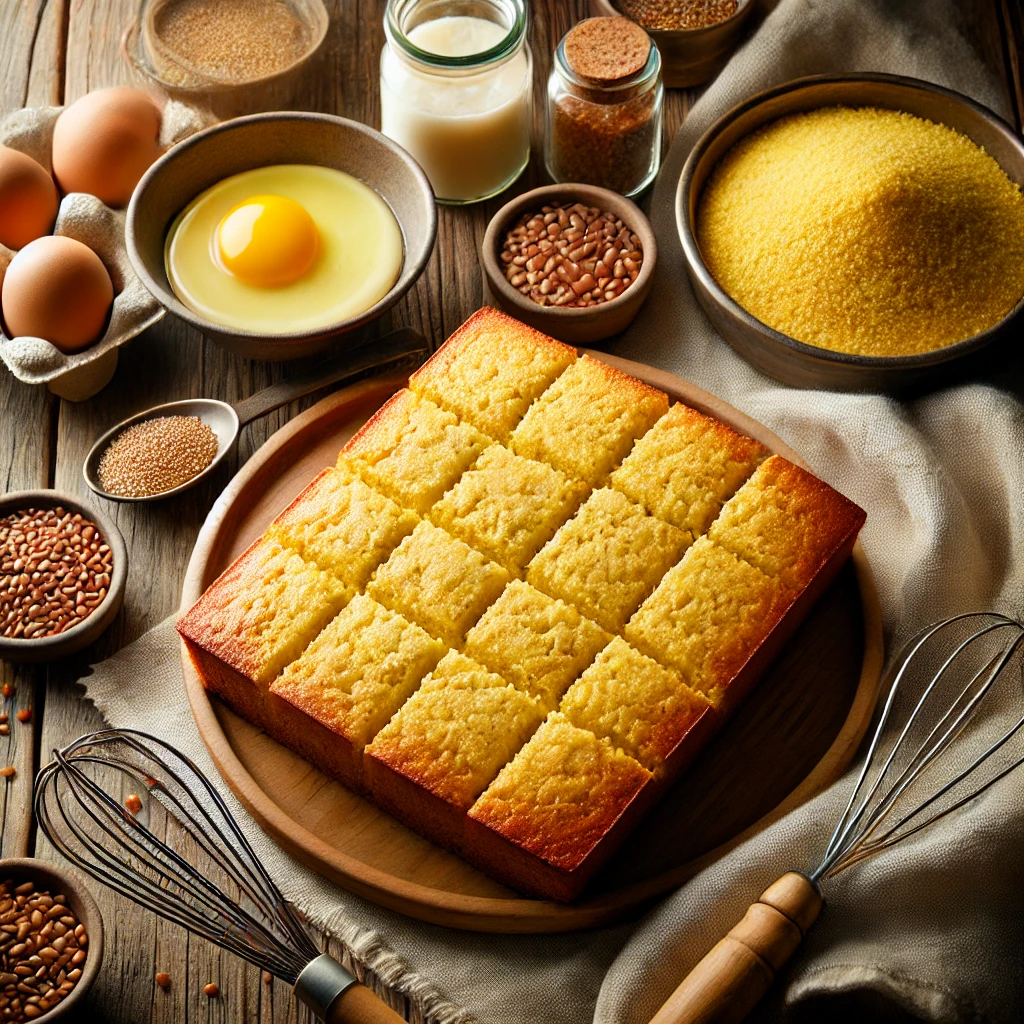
<point>275,234</point>
<point>59,645</point>
<point>575,325</point>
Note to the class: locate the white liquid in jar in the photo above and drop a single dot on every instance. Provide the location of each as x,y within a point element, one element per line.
<point>469,132</point>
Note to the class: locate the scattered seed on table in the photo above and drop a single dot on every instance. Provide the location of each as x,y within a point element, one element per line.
<point>5,729</point>
<point>133,803</point>
<point>267,977</point>
<point>8,690</point>
<point>156,455</point>
<point>24,714</point>
<point>163,979</point>
<point>213,989</point>
<point>9,772</point>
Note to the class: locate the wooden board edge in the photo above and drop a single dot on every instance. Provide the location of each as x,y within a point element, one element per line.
<point>517,914</point>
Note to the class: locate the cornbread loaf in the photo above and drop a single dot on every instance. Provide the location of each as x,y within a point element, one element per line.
<point>490,371</point>
<point>521,602</point>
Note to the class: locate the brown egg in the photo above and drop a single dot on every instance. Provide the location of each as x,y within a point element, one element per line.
<point>58,289</point>
<point>103,143</point>
<point>28,199</point>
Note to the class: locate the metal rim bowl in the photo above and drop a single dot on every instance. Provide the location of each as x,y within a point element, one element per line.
<point>49,648</point>
<point>261,140</point>
<point>60,880</point>
<point>590,324</point>
<point>807,366</point>
<point>690,56</point>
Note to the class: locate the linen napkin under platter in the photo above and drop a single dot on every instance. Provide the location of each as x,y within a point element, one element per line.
<point>932,929</point>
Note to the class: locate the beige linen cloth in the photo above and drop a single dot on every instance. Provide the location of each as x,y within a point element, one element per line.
<point>932,930</point>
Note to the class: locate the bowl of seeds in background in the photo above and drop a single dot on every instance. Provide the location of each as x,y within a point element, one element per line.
<point>51,958</point>
<point>694,37</point>
<point>891,256</point>
<point>574,261</point>
<point>63,566</point>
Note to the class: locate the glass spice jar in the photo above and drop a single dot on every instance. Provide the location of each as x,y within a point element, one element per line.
<point>456,87</point>
<point>604,111</point>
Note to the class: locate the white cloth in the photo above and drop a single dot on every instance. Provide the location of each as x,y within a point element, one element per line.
<point>933,928</point>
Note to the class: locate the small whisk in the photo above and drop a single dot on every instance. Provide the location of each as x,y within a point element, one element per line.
<point>930,754</point>
<point>180,853</point>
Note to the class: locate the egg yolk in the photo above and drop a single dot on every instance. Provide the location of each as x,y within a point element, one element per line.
<point>267,241</point>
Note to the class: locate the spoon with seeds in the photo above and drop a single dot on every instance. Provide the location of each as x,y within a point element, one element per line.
<point>167,449</point>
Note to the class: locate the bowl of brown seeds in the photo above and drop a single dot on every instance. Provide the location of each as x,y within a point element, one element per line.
<point>63,566</point>
<point>574,261</point>
<point>51,942</point>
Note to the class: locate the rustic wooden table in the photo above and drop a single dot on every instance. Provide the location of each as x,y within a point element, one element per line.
<point>52,52</point>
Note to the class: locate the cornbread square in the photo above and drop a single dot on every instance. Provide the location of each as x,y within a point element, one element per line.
<point>635,703</point>
<point>413,451</point>
<point>586,422</point>
<point>508,507</point>
<point>438,582</point>
<point>360,670</point>
<point>686,466</point>
<point>263,611</point>
<point>490,371</point>
<point>534,641</point>
<point>343,525</point>
<point>457,730</point>
<point>707,616</point>
<point>608,558</point>
<point>786,522</point>
<point>561,794</point>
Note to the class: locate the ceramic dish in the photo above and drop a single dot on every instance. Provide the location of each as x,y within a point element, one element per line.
<point>143,49</point>
<point>807,366</point>
<point>60,880</point>
<point>262,140</point>
<point>583,326</point>
<point>690,56</point>
<point>74,639</point>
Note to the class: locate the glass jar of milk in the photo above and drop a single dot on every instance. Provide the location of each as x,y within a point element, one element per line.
<point>455,91</point>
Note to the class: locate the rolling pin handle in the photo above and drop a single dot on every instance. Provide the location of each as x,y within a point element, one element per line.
<point>728,983</point>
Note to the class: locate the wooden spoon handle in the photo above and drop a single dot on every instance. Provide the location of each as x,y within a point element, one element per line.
<point>358,1005</point>
<point>728,983</point>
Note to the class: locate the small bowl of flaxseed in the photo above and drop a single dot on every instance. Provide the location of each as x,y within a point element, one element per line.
<point>574,261</point>
<point>63,566</point>
<point>51,942</point>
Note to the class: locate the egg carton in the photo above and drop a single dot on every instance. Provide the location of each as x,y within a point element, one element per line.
<point>85,218</point>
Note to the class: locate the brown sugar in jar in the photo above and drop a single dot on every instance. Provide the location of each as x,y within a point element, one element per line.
<point>605,106</point>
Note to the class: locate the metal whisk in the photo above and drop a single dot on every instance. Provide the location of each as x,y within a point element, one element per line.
<point>943,737</point>
<point>182,855</point>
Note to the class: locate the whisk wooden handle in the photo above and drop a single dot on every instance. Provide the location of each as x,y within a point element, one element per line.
<point>358,1005</point>
<point>728,983</point>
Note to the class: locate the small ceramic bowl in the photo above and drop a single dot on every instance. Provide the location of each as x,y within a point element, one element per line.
<point>590,324</point>
<point>49,648</point>
<point>261,140</point>
<point>808,366</point>
<point>690,56</point>
<point>56,880</point>
<point>144,49</point>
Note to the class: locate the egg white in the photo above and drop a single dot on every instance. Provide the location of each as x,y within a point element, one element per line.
<point>360,254</point>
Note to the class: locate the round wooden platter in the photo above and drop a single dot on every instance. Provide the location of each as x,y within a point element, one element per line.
<point>792,737</point>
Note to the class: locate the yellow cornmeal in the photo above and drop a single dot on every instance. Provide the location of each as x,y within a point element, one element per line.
<point>865,231</point>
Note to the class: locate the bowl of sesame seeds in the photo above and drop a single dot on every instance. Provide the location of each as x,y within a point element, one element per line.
<point>694,37</point>
<point>63,567</point>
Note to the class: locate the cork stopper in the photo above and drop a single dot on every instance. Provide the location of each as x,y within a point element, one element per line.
<point>607,49</point>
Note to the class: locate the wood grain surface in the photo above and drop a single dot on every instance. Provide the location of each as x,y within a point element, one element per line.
<point>53,51</point>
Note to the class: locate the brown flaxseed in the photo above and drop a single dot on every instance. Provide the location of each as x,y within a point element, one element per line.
<point>163,979</point>
<point>156,455</point>
<point>42,949</point>
<point>24,715</point>
<point>9,772</point>
<point>212,989</point>
<point>667,15</point>
<point>55,570</point>
<point>571,256</point>
<point>133,803</point>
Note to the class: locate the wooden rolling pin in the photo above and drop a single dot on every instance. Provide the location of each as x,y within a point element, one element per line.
<point>728,983</point>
